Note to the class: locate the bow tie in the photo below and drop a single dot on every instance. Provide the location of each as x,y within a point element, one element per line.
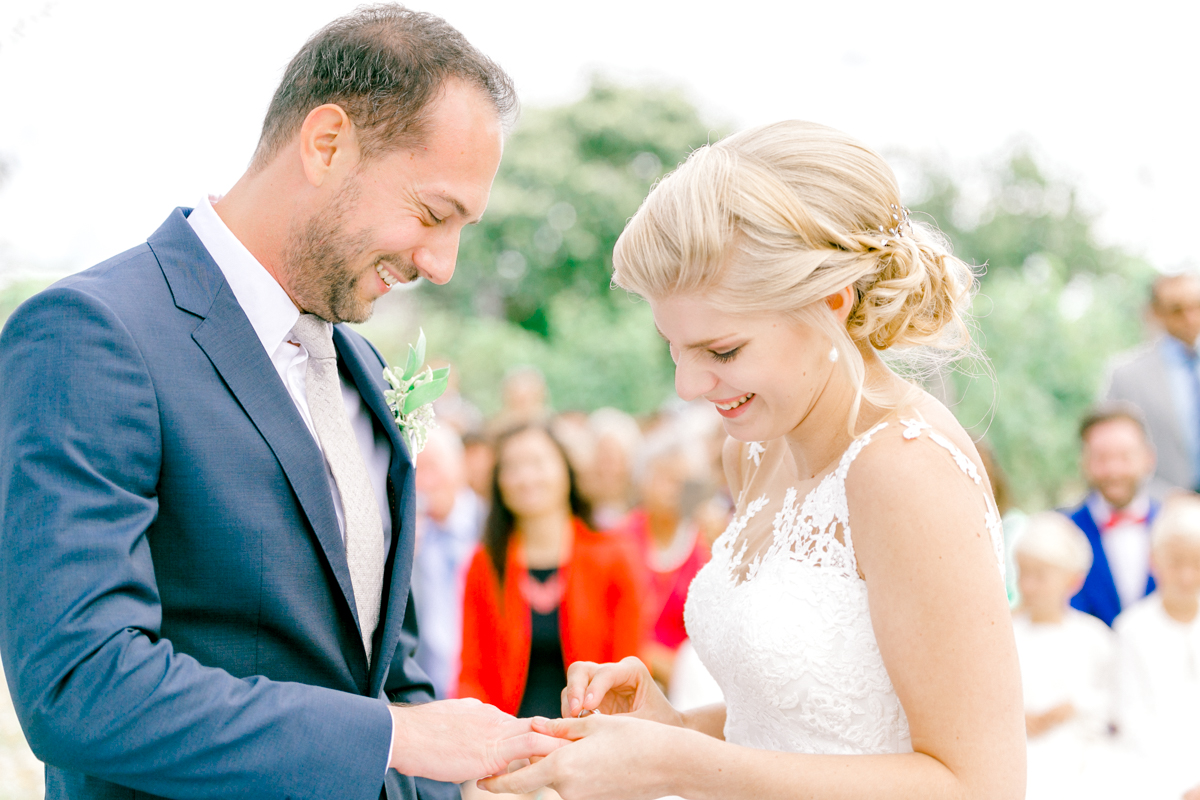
<point>1124,517</point>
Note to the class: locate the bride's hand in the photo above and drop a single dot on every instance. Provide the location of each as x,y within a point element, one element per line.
<point>625,687</point>
<point>609,758</point>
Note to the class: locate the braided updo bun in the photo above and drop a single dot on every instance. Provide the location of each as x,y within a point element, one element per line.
<point>776,218</point>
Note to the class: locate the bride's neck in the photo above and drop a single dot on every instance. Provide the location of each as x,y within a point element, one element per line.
<point>825,433</point>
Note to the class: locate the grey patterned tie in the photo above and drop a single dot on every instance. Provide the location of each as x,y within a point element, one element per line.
<point>364,529</point>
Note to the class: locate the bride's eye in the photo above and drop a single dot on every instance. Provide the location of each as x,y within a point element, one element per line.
<point>728,355</point>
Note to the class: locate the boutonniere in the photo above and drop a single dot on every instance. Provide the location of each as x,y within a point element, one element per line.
<point>412,395</point>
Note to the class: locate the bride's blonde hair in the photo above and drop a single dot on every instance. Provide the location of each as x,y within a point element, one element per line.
<point>775,219</point>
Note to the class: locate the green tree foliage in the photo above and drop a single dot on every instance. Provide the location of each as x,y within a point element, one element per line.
<point>594,353</point>
<point>1054,306</point>
<point>532,284</point>
<point>570,178</point>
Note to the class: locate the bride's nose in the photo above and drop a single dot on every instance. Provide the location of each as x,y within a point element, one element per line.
<point>693,380</point>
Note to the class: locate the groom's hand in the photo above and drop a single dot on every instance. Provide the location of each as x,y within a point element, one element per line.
<point>625,687</point>
<point>461,740</point>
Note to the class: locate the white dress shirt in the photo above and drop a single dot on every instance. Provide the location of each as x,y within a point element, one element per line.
<point>1126,546</point>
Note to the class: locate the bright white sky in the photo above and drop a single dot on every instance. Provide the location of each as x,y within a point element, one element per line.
<point>112,113</point>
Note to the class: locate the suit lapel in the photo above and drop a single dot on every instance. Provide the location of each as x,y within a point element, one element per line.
<point>1105,585</point>
<point>227,338</point>
<point>366,370</point>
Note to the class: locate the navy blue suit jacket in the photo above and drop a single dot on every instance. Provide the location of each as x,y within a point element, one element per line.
<point>177,617</point>
<point>1098,596</point>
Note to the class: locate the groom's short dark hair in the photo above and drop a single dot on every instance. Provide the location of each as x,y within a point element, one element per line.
<point>382,64</point>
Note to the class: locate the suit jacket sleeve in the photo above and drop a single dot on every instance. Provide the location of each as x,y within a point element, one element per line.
<point>96,688</point>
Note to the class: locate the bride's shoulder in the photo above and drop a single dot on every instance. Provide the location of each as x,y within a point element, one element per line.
<point>916,493</point>
<point>917,450</point>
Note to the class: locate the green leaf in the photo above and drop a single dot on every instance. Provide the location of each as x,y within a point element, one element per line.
<point>425,393</point>
<point>438,374</point>
<point>410,369</point>
<point>420,346</point>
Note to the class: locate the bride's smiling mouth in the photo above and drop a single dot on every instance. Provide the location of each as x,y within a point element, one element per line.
<point>734,406</point>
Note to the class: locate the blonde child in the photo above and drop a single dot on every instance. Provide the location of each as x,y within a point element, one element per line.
<point>1158,666</point>
<point>1066,659</point>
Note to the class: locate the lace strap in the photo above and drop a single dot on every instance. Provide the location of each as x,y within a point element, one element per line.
<point>913,429</point>
<point>854,449</point>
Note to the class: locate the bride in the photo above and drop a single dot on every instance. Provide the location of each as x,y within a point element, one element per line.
<point>854,611</point>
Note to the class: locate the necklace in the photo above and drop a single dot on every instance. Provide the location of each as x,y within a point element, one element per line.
<point>543,597</point>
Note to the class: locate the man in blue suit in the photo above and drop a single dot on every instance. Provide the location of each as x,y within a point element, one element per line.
<point>206,509</point>
<point>1117,461</point>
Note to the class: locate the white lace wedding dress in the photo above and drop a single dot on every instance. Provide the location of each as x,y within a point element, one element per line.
<point>788,634</point>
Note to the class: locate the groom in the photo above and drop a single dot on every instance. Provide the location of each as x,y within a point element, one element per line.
<point>206,510</point>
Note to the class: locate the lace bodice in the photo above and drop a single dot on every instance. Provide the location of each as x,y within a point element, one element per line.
<point>788,634</point>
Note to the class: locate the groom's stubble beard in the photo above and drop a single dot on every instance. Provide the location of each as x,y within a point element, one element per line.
<point>323,262</point>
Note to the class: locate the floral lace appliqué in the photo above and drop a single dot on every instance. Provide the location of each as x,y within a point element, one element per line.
<point>789,637</point>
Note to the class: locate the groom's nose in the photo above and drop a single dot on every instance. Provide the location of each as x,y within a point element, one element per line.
<point>436,258</point>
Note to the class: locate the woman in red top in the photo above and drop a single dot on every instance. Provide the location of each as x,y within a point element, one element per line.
<point>543,590</point>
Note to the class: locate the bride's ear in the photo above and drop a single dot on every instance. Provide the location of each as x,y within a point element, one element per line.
<point>841,302</point>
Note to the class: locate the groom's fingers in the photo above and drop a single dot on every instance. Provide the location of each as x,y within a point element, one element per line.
<point>533,777</point>
<point>526,746</point>
<point>567,728</point>
<point>514,726</point>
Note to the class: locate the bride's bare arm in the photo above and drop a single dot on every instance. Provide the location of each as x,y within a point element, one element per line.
<point>941,620</point>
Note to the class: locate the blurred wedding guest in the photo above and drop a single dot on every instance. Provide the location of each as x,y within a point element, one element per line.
<point>608,483</point>
<point>1162,379</point>
<point>1066,657</point>
<point>523,398</point>
<point>572,431</point>
<point>479,459</point>
<point>670,543</point>
<point>452,408</point>
<point>1158,666</point>
<point>449,523</point>
<point>543,590</point>
<point>1117,462</point>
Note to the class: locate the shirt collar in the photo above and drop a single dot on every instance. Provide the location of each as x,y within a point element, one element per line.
<point>271,312</point>
<point>1101,509</point>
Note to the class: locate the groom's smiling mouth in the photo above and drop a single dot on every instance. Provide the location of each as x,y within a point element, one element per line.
<point>392,275</point>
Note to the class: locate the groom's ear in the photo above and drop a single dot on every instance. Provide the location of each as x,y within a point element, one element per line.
<point>328,145</point>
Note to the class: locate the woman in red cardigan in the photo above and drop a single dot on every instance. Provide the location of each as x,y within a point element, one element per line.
<point>543,590</point>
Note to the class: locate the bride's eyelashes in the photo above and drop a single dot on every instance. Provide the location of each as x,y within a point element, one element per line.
<point>728,355</point>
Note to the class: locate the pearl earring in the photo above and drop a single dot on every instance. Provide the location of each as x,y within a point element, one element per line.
<point>833,354</point>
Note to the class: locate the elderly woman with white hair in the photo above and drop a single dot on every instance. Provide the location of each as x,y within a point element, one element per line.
<point>1066,659</point>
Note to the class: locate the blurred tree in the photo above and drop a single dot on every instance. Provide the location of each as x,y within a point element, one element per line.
<point>1054,307</point>
<point>570,178</point>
